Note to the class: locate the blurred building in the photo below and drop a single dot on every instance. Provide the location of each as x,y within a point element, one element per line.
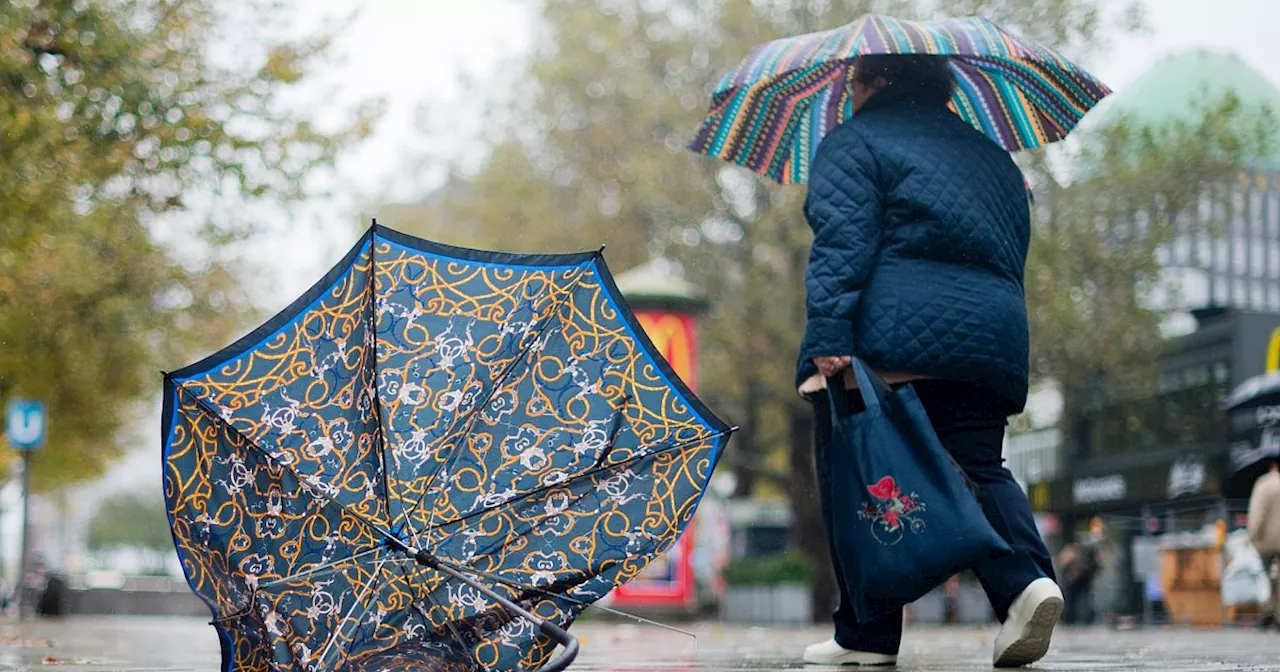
<point>1161,462</point>
<point>1240,267</point>
<point>1165,462</point>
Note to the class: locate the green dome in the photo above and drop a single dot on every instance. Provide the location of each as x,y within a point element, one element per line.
<point>1178,84</point>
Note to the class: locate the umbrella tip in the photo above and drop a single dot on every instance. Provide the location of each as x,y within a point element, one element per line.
<point>601,250</point>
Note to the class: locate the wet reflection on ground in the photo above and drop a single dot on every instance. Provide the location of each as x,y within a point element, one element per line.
<point>170,644</point>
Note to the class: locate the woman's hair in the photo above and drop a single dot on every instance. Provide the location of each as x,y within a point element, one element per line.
<point>928,77</point>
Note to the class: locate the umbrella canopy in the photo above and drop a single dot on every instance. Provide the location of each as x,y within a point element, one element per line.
<point>1260,390</point>
<point>771,112</point>
<point>435,454</point>
<point>1253,414</point>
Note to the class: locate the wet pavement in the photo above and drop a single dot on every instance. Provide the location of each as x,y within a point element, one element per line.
<point>170,644</point>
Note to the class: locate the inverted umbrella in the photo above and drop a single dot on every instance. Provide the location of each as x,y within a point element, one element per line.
<point>1259,390</point>
<point>1251,406</point>
<point>770,113</point>
<point>435,454</point>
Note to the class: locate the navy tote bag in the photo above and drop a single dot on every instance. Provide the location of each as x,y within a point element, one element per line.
<point>905,517</point>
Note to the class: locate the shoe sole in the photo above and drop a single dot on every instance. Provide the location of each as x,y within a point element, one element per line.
<point>852,661</point>
<point>1033,643</point>
<point>833,663</point>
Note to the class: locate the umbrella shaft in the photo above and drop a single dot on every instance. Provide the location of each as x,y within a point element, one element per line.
<point>426,559</point>
<point>555,632</point>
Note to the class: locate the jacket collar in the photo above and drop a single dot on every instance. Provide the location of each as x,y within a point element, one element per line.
<point>899,95</point>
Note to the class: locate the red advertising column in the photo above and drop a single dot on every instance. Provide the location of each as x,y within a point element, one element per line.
<point>666,307</point>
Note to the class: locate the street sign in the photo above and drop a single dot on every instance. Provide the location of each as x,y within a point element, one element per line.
<point>24,423</point>
<point>24,426</point>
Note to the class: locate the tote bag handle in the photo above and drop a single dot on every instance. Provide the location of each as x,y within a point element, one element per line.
<point>871,386</point>
<point>874,389</point>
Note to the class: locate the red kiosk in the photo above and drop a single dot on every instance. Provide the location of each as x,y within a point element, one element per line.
<point>666,306</point>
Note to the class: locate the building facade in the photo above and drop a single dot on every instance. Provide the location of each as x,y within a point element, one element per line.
<point>1224,262</point>
<point>1165,462</point>
<point>1229,253</point>
<point>1161,461</point>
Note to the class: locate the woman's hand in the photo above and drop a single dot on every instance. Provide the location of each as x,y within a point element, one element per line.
<point>830,366</point>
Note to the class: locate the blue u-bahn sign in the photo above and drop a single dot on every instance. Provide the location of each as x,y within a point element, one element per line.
<point>24,423</point>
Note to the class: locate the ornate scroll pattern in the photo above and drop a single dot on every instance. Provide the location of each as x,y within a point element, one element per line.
<point>501,411</point>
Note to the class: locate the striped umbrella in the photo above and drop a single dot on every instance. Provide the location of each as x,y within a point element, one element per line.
<point>770,113</point>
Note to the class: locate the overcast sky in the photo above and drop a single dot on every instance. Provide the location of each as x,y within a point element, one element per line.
<point>412,51</point>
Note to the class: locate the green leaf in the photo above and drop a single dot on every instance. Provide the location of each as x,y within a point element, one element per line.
<point>113,114</point>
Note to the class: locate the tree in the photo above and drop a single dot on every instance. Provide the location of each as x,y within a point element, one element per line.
<point>129,126</point>
<point>129,520</point>
<point>588,147</point>
<point>1096,286</point>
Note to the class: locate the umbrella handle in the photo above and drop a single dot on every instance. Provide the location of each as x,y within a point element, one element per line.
<point>555,632</point>
<point>562,637</point>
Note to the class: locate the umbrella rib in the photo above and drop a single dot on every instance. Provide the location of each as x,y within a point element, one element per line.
<point>379,432</point>
<point>453,630</point>
<point>523,530</point>
<point>368,587</point>
<point>476,412</point>
<point>533,525</point>
<point>317,570</point>
<point>501,380</point>
<point>324,499</point>
<point>565,596</point>
<point>584,474</point>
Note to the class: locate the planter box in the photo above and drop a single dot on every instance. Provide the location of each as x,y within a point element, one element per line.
<point>931,608</point>
<point>788,604</point>
<point>970,604</point>
<point>103,601</point>
<point>792,604</point>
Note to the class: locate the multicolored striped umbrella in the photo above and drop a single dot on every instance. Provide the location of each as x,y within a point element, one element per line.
<point>771,112</point>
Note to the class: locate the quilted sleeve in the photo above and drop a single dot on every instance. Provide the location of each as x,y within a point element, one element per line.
<point>844,208</point>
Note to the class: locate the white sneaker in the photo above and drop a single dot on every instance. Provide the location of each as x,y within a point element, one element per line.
<point>831,653</point>
<point>1024,637</point>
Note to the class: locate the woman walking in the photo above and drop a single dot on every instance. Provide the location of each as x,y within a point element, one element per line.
<point>921,227</point>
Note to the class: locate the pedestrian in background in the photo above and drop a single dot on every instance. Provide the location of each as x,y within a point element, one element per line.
<point>921,227</point>
<point>1153,592</point>
<point>1079,565</point>
<point>1264,533</point>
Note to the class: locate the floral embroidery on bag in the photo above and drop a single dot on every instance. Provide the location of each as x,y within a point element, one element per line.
<point>893,512</point>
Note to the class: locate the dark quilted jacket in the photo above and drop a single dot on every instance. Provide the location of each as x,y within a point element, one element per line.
<point>921,226</point>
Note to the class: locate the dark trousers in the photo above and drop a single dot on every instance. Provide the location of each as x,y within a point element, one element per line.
<point>1271,611</point>
<point>1079,607</point>
<point>970,421</point>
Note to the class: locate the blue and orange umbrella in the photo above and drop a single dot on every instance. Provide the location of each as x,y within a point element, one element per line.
<point>770,113</point>
<point>434,459</point>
